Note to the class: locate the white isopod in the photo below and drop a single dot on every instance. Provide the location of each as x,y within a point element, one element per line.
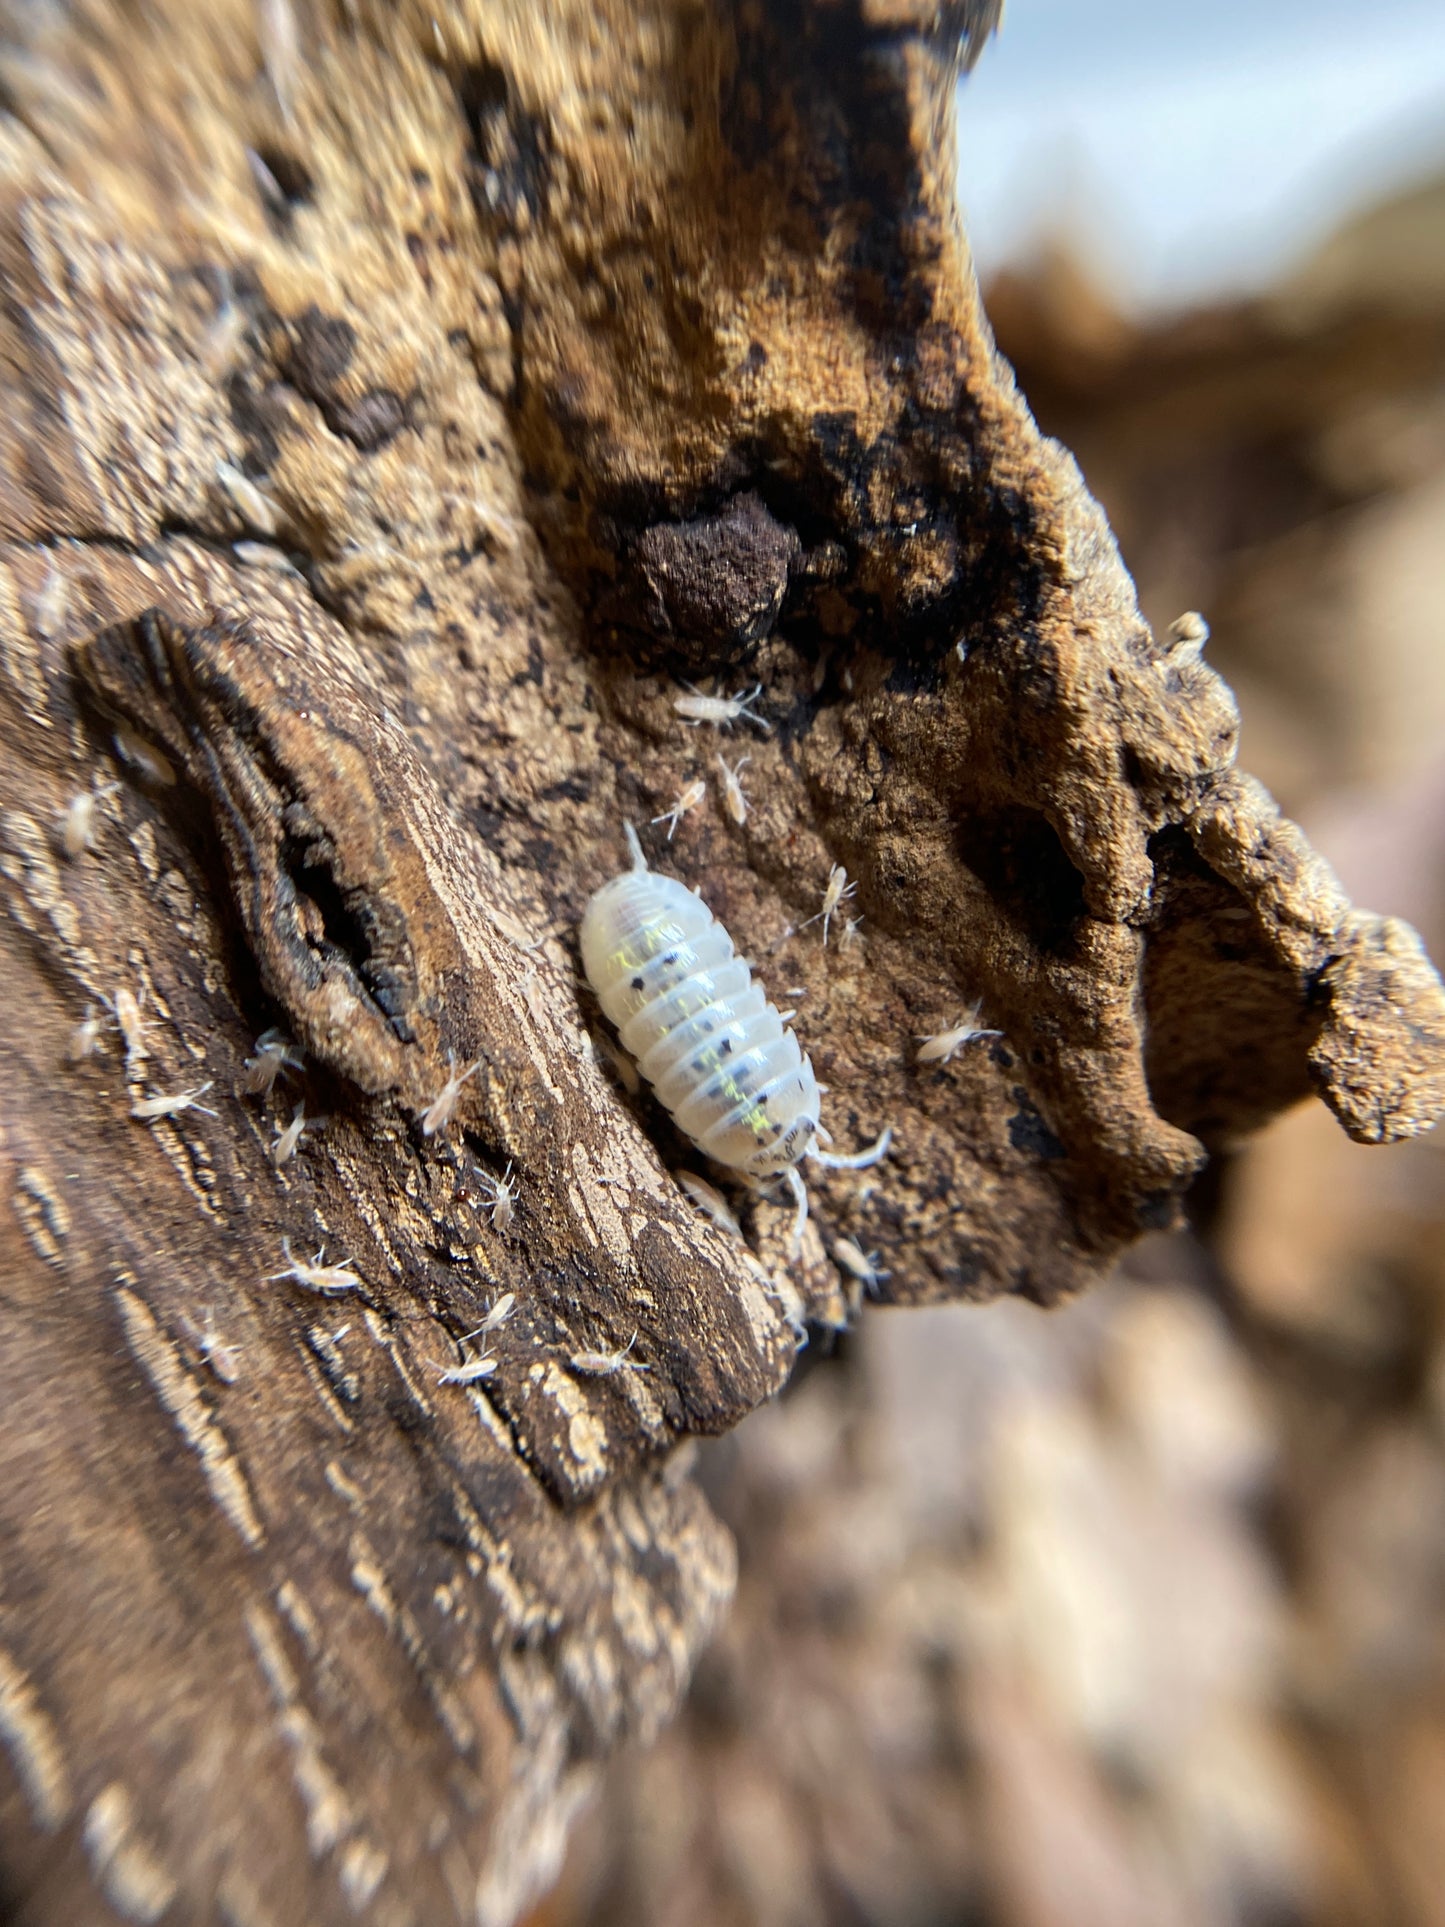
<point>704,1035</point>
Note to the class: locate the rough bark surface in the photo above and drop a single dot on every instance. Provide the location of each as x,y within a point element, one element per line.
<point>399,402</point>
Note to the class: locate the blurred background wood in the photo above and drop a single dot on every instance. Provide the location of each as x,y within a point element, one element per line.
<point>1135,1612</point>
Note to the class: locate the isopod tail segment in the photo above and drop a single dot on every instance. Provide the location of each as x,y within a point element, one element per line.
<point>859,1161</point>
<point>718,1055</point>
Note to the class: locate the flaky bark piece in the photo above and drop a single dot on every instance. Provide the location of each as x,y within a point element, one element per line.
<point>399,403</point>
<point>402,965</point>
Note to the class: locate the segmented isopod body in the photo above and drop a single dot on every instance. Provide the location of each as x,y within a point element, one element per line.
<point>703,1033</point>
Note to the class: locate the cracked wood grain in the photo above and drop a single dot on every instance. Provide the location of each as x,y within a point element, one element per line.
<point>392,946</point>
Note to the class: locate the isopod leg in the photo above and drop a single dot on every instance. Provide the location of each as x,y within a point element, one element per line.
<point>800,1216</point>
<point>634,844</point>
<point>860,1159</point>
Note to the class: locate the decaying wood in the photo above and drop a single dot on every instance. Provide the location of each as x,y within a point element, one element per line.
<point>401,403</point>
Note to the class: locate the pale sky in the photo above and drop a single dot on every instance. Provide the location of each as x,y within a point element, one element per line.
<point>1195,149</point>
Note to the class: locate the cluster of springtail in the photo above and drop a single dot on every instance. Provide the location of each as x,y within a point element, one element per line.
<point>691,1021</point>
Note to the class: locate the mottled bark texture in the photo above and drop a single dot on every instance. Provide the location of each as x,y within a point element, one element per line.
<point>399,402</point>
